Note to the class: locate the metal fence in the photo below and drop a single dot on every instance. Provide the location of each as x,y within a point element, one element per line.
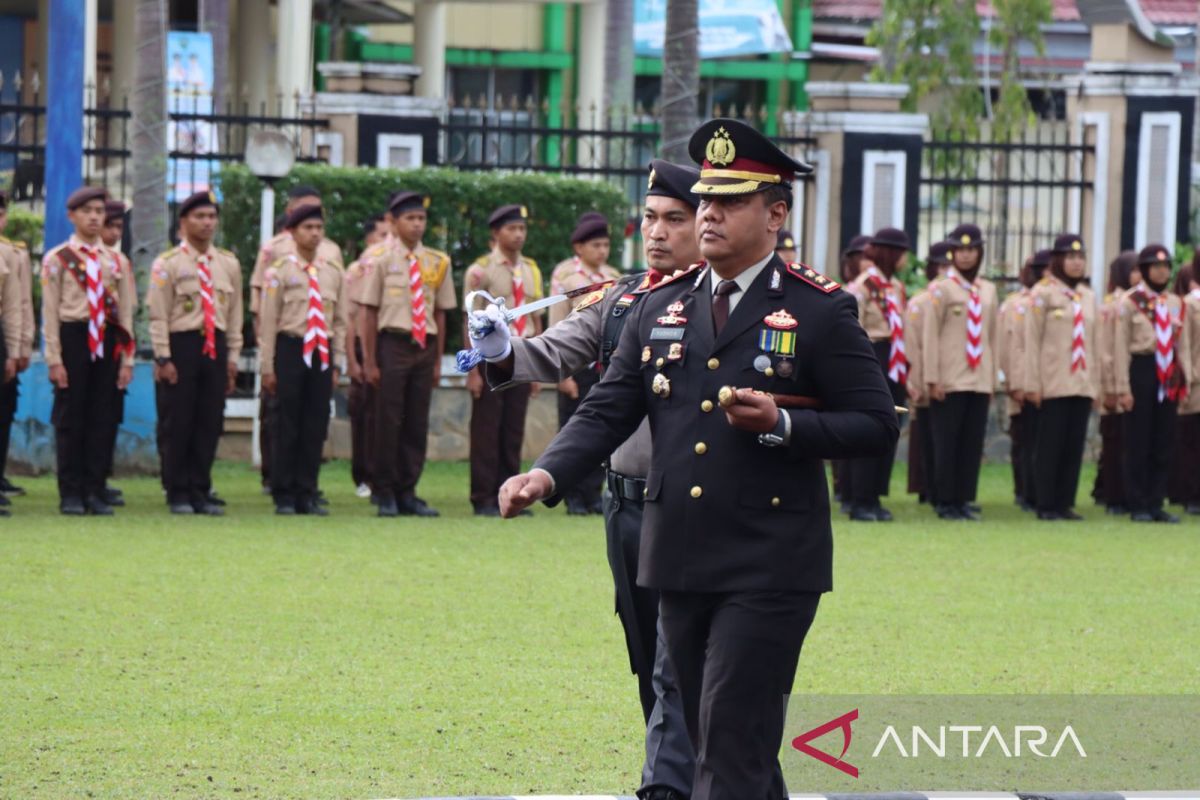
<point>1022,192</point>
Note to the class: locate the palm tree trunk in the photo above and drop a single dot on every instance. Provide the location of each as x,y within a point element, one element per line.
<point>148,233</point>
<point>681,77</point>
<point>214,19</point>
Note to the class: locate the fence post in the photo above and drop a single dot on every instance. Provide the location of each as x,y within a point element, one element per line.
<point>64,115</point>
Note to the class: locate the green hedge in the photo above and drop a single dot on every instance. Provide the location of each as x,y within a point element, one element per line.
<point>25,226</point>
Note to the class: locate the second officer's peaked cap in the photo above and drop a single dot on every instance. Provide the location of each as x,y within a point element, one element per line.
<point>736,159</point>
<point>673,180</point>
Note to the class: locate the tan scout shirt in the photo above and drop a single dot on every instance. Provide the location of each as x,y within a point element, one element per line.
<point>914,314</point>
<point>1049,338</point>
<point>174,302</point>
<point>493,274</point>
<point>1191,320</point>
<point>1010,345</point>
<point>284,308</point>
<point>944,331</point>
<point>17,256</point>
<point>872,303</point>
<point>383,284</point>
<point>1105,344</point>
<point>278,246</point>
<point>570,275</point>
<point>64,298</point>
<point>1133,334</point>
<point>10,305</point>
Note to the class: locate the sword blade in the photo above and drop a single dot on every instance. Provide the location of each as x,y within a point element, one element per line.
<point>538,305</point>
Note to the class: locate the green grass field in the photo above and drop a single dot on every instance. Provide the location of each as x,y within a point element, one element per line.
<point>351,657</point>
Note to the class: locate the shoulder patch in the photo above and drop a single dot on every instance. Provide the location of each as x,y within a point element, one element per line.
<point>591,299</point>
<point>672,278</point>
<point>812,277</point>
<point>20,244</point>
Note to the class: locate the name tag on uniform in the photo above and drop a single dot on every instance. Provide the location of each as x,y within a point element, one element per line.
<point>666,334</point>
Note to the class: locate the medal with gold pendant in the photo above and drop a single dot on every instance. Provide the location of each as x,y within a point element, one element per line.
<point>661,386</point>
<point>674,315</point>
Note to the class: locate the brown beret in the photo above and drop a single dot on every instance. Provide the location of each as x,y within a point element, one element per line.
<point>198,200</point>
<point>113,209</point>
<point>1154,254</point>
<point>301,213</point>
<point>85,194</point>
<point>590,225</point>
<point>506,214</point>
<point>402,202</point>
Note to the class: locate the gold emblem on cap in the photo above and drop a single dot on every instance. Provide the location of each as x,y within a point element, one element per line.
<point>720,150</point>
<point>966,238</point>
<point>650,183</point>
<point>212,198</point>
<point>1076,245</point>
<point>524,212</point>
<point>425,201</point>
<point>1162,255</point>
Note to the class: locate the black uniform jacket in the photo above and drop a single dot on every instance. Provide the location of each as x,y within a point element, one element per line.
<point>723,512</point>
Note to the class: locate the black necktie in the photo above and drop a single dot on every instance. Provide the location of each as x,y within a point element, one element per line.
<point>720,307</point>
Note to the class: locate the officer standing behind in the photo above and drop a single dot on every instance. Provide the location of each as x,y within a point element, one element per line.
<point>360,398</point>
<point>880,296</point>
<point>498,420</point>
<point>195,309</point>
<point>588,266</point>
<point>736,532</point>
<point>87,316</point>
<point>15,255</point>
<point>1062,376</point>
<point>920,431</point>
<point>960,372</point>
<point>303,327</point>
<point>404,293</point>
<point>1151,378</point>
<point>591,334</point>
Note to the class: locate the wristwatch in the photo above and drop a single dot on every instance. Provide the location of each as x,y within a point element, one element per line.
<point>778,436</point>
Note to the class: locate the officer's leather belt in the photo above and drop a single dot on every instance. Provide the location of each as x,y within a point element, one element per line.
<point>625,487</point>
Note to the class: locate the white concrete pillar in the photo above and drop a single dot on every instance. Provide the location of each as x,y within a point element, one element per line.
<point>253,85</point>
<point>589,90</point>
<point>293,65</point>
<point>124,51</point>
<point>429,48</point>
<point>90,31</point>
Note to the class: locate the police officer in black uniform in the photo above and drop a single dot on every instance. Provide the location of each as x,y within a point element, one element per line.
<point>736,532</point>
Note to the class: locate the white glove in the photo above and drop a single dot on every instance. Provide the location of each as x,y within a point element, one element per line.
<point>493,345</point>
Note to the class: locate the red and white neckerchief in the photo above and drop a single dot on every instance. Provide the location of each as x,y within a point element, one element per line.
<point>974,319</point>
<point>897,356</point>
<point>1164,344</point>
<point>95,300</point>
<point>1078,354</point>
<point>518,289</point>
<point>316,334</point>
<point>416,291</point>
<point>204,267</point>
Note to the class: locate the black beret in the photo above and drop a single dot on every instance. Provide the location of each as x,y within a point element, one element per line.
<point>736,159</point>
<point>591,225</point>
<point>198,200</point>
<point>784,241</point>
<point>302,190</point>
<point>1042,258</point>
<point>673,180</point>
<point>891,237</point>
<point>1068,243</point>
<point>857,244</point>
<point>506,214</point>
<point>85,194</point>
<point>113,209</point>
<point>401,202</point>
<point>301,213</point>
<point>939,253</point>
<point>1154,254</point>
<point>966,235</point>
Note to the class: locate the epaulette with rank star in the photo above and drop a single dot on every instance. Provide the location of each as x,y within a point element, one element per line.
<point>591,299</point>
<point>672,278</point>
<point>812,277</point>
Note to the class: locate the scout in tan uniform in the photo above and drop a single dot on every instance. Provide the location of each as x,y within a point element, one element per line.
<point>277,247</point>
<point>849,266</point>
<point>1185,473</point>
<point>1109,489</point>
<point>111,234</point>
<point>404,293</point>
<point>881,303</point>
<point>1062,376</point>
<point>15,255</point>
<point>360,399</point>
<point>587,267</point>
<point>1152,373</point>
<point>88,349</point>
<point>960,372</point>
<point>498,419</point>
<point>920,432</point>
<point>303,327</point>
<point>195,309</point>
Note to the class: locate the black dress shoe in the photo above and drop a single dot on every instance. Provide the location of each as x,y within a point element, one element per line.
<point>597,507</point>
<point>72,506</point>
<point>385,505</point>
<point>577,508</point>
<point>312,507</point>
<point>215,499</point>
<point>1162,515</point>
<point>1192,508</point>
<point>1116,510</point>
<point>1049,516</point>
<point>113,497</point>
<point>182,508</point>
<point>662,793</point>
<point>975,508</point>
<point>487,511</point>
<point>948,512</point>
<point>862,514</point>
<point>415,507</point>
<point>4,512</point>
<point>320,499</point>
<point>8,488</point>
<point>882,514</point>
<point>209,509</point>
<point>1070,515</point>
<point>97,506</point>
<point>1142,516</point>
<point>285,509</point>
<point>4,501</point>
<point>968,512</point>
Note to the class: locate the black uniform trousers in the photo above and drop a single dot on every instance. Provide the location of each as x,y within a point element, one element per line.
<point>959,426</point>
<point>9,393</point>
<point>301,421</point>
<point>1109,488</point>
<point>356,399</point>
<point>1149,438</point>
<point>266,435</point>
<point>670,761</point>
<point>1185,472</point>
<point>735,657</point>
<point>197,403</point>
<point>162,424</point>
<point>402,411</point>
<point>1029,430</point>
<point>84,412</point>
<point>587,491</point>
<point>114,429</point>
<point>870,478</point>
<point>1058,451</point>
<point>916,465</point>
<point>1017,444</point>
<point>497,432</point>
